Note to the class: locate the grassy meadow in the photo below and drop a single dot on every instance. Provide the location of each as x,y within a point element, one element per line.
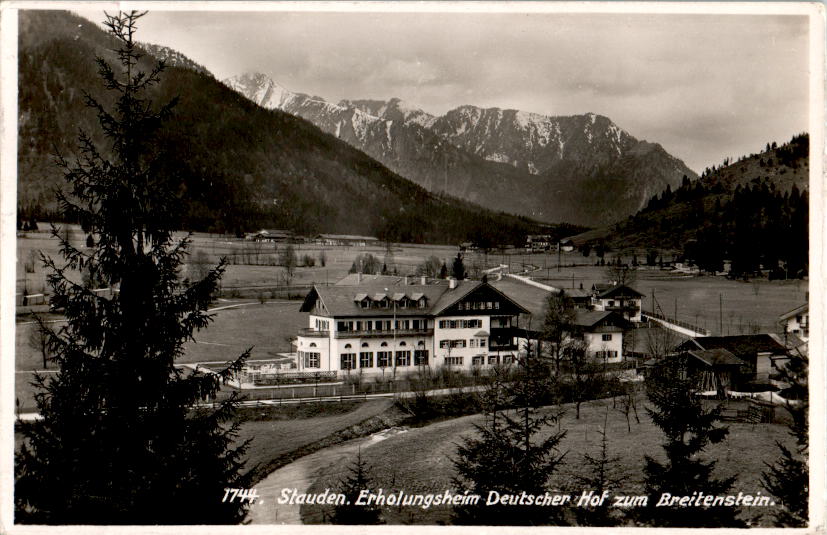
<point>421,460</point>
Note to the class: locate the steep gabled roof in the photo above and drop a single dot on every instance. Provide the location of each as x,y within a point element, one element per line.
<point>742,346</point>
<point>801,309</point>
<point>344,300</point>
<point>620,290</point>
<point>594,318</point>
<point>716,357</point>
<point>449,297</point>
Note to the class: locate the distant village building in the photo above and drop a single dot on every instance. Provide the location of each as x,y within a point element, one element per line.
<point>271,235</point>
<point>618,298</point>
<point>539,242</point>
<point>580,298</point>
<point>389,324</point>
<point>797,322</point>
<point>346,239</point>
<point>566,245</point>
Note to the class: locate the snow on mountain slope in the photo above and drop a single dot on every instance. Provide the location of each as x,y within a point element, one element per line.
<point>543,166</point>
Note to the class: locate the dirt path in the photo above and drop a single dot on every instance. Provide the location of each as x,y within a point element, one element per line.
<point>300,475</point>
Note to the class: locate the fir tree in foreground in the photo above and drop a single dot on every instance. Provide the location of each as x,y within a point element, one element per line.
<point>515,451</point>
<point>121,439</point>
<point>688,428</point>
<point>603,475</point>
<point>789,478</point>
<point>356,481</point>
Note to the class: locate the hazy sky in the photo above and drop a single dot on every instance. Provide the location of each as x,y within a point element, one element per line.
<point>704,86</point>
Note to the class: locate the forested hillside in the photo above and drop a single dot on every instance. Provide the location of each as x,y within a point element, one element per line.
<point>753,211</point>
<point>240,167</point>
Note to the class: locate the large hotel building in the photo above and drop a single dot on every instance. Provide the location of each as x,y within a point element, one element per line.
<point>380,323</point>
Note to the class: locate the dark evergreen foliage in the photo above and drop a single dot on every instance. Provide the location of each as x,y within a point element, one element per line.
<point>687,428</point>
<point>507,455</point>
<point>788,479</point>
<point>756,222</point>
<point>122,439</point>
<point>603,474</point>
<point>357,480</point>
<point>458,268</point>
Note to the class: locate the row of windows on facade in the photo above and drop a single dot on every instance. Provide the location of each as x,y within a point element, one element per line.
<point>380,325</point>
<point>479,305</point>
<point>473,342</point>
<point>479,360</point>
<point>460,324</point>
<point>403,358</point>
<point>384,359</point>
<point>385,302</point>
<point>605,354</point>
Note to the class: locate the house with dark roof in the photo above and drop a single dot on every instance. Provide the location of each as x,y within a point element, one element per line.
<point>618,298</point>
<point>717,370</point>
<point>345,239</point>
<point>272,235</point>
<point>380,324</point>
<point>797,321</point>
<point>602,332</point>
<point>761,354</point>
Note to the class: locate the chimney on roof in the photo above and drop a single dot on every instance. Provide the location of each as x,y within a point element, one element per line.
<point>452,283</point>
<point>406,280</point>
<point>424,280</point>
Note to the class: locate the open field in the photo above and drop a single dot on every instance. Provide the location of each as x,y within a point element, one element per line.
<point>420,460</point>
<point>282,430</point>
<point>254,263</point>
<point>747,306</point>
<point>266,327</point>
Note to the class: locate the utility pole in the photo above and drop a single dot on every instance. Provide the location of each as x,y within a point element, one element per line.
<point>721,313</point>
<point>558,257</point>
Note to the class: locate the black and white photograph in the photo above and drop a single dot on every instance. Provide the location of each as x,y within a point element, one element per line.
<point>434,264</point>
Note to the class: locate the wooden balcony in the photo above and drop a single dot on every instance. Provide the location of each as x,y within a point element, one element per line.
<point>313,333</point>
<point>384,334</point>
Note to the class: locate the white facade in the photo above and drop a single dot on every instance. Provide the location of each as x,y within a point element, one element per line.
<point>629,308</point>
<point>605,346</point>
<point>398,338</point>
<point>798,324</point>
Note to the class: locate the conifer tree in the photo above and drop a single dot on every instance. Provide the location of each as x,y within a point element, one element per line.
<point>356,481</point>
<point>458,268</point>
<point>513,452</point>
<point>788,479</point>
<point>124,437</point>
<point>602,474</point>
<point>688,429</point>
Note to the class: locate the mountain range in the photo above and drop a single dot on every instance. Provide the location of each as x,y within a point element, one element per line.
<point>582,169</point>
<point>240,167</point>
